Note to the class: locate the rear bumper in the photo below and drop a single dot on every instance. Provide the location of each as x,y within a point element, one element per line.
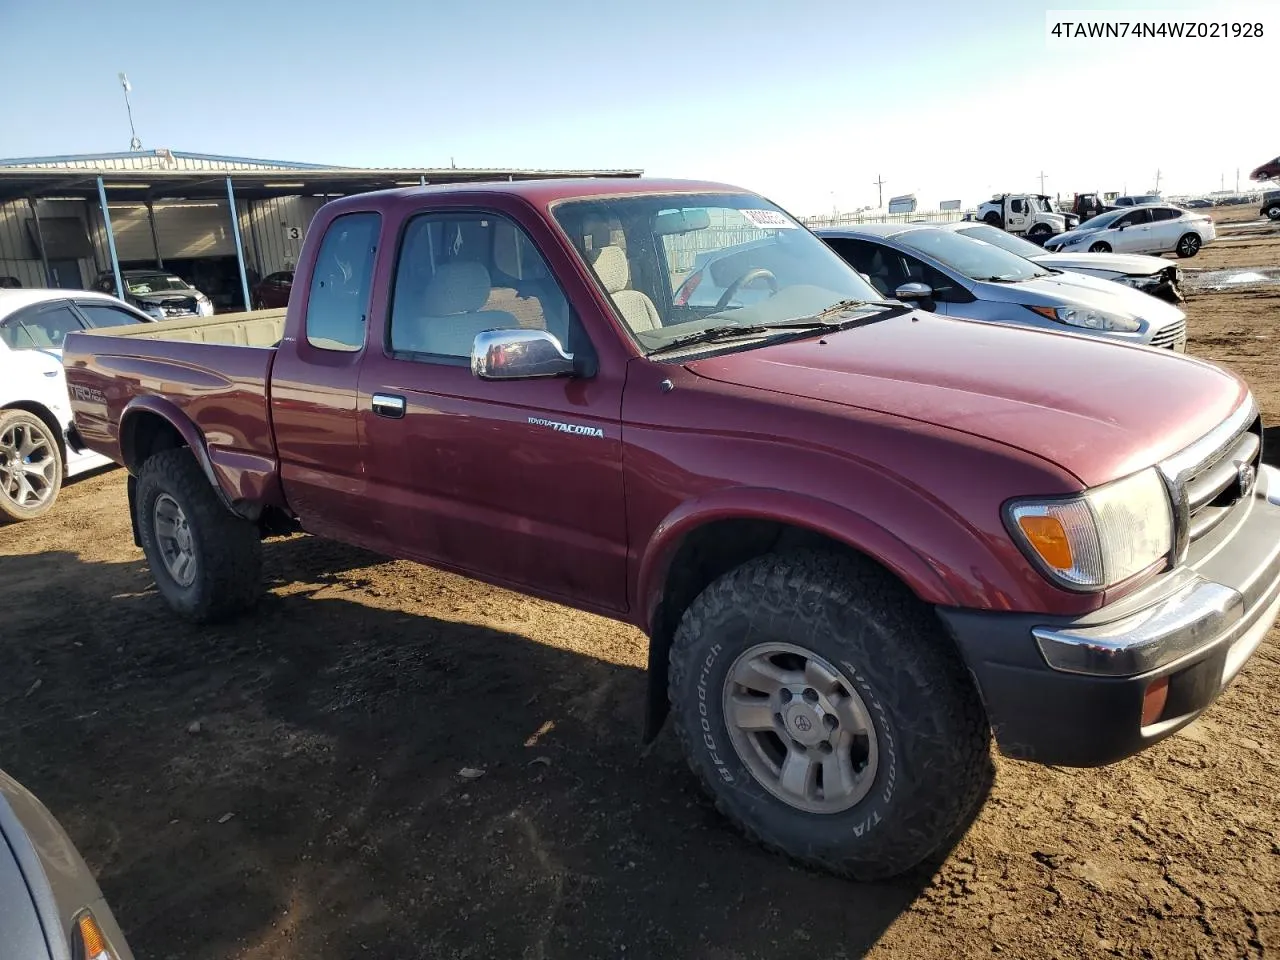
<point>1070,692</point>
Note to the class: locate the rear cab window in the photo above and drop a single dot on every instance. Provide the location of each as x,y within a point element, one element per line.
<point>338,305</point>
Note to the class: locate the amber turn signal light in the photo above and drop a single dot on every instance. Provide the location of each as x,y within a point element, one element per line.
<point>1048,539</point>
<point>92,943</point>
<point>1154,700</point>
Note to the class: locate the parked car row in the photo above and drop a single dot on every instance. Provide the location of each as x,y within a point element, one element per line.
<point>862,537</point>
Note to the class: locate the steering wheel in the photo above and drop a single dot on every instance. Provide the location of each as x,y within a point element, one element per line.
<point>755,273</point>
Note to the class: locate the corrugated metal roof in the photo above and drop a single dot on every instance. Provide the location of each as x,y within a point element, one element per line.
<point>105,160</point>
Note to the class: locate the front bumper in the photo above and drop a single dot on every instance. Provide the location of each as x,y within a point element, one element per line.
<point>1070,692</point>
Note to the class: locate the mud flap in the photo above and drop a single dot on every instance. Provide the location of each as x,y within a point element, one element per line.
<point>131,485</point>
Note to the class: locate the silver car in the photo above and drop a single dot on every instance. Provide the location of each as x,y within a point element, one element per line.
<point>945,272</point>
<point>50,904</point>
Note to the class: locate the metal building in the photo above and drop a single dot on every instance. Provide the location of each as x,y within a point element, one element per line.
<point>65,221</point>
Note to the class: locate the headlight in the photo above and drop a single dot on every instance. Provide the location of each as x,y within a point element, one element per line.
<point>1090,319</point>
<point>204,306</point>
<point>1099,538</point>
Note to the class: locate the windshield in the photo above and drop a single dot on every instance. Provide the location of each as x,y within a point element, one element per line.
<point>969,257</point>
<point>1101,220</point>
<point>675,265</point>
<point>155,283</point>
<point>1005,241</point>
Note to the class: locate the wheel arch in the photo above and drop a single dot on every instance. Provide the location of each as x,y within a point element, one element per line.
<point>701,542</point>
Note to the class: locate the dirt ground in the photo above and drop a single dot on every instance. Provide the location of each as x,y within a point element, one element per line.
<point>289,786</point>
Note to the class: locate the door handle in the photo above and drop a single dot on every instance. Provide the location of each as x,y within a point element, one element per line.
<point>388,405</point>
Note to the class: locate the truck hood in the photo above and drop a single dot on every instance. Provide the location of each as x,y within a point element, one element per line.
<point>1130,265</point>
<point>1099,410</point>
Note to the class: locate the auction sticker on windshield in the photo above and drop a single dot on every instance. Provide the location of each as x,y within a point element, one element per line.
<point>769,219</point>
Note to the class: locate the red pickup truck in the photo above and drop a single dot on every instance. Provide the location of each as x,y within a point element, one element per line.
<point>861,538</point>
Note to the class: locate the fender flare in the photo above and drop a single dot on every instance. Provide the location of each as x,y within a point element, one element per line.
<point>171,413</point>
<point>850,527</point>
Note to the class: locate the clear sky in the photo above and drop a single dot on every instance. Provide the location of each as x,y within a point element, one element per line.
<point>805,101</point>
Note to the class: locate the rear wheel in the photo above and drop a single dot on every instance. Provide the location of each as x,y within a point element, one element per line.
<point>1188,245</point>
<point>994,219</point>
<point>827,716</point>
<point>1100,247</point>
<point>31,467</point>
<point>1273,211</point>
<point>206,561</point>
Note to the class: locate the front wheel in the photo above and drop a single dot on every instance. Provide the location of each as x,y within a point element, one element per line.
<point>1189,245</point>
<point>1100,247</point>
<point>31,467</point>
<point>206,561</point>
<point>825,713</point>
<point>1039,234</point>
<point>1273,211</point>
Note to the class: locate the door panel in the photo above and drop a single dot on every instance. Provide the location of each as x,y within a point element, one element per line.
<point>518,481</point>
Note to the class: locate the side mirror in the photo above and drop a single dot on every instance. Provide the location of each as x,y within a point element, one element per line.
<point>914,291</point>
<point>518,355</point>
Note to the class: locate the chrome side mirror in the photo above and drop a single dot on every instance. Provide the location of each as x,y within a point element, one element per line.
<point>518,355</point>
<point>914,291</point>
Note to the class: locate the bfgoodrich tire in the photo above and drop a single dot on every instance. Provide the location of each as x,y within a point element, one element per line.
<point>787,648</point>
<point>206,561</point>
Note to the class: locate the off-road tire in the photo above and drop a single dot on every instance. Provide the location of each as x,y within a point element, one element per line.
<point>11,512</point>
<point>228,548</point>
<point>934,764</point>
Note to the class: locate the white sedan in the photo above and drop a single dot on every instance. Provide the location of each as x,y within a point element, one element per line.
<point>38,449</point>
<point>1154,228</point>
<point>1154,275</point>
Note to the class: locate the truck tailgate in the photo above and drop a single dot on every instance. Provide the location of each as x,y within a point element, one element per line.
<point>210,375</point>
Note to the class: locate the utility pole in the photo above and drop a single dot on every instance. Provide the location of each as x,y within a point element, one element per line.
<point>879,182</point>
<point>1157,180</point>
<point>1042,181</point>
<point>134,143</point>
<point>1237,179</point>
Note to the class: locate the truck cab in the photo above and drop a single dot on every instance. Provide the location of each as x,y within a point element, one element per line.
<point>1031,215</point>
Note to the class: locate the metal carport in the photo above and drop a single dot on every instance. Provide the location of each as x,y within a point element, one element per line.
<point>96,184</point>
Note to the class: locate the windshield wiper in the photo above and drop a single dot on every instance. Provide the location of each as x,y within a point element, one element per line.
<point>731,331</point>
<point>818,321</point>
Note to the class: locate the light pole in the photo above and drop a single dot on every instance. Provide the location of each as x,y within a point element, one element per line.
<point>134,143</point>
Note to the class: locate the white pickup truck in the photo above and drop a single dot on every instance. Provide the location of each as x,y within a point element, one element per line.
<point>38,449</point>
<point>1032,215</point>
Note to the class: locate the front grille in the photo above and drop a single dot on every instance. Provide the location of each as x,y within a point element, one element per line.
<point>1172,336</point>
<point>179,306</point>
<point>1216,473</point>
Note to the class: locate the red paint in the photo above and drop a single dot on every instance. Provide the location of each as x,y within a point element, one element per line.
<point>901,438</point>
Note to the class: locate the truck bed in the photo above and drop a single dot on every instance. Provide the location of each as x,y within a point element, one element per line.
<point>125,382</point>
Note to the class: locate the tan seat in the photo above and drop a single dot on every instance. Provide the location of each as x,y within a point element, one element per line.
<point>637,310</point>
<point>451,315</point>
